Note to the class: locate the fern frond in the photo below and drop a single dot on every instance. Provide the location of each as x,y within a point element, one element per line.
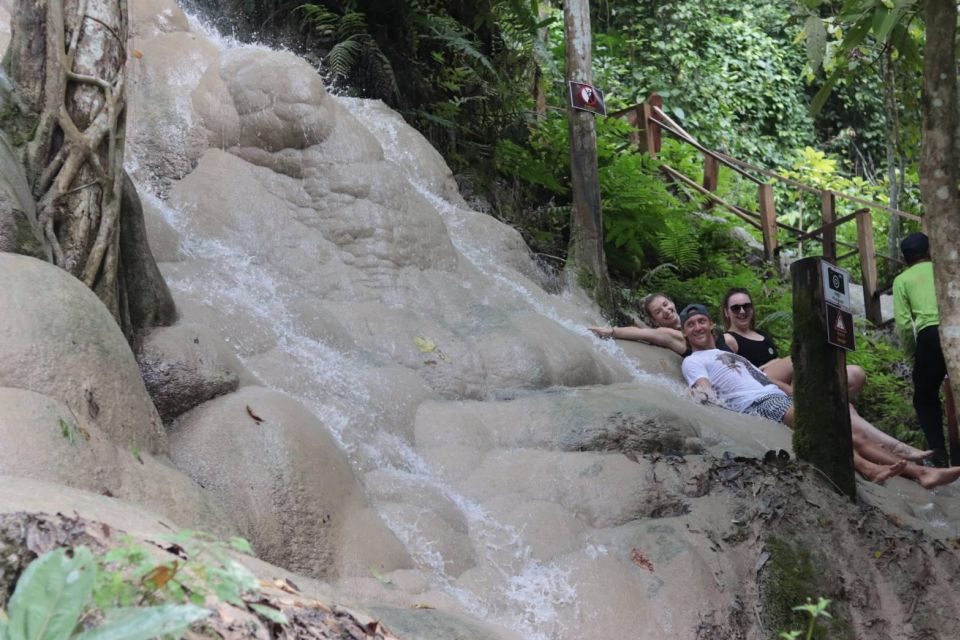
<point>377,67</point>
<point>679,247</point>
<point>343,57</point>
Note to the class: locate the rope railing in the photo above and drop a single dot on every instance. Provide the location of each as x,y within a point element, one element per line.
<point>650,120</point>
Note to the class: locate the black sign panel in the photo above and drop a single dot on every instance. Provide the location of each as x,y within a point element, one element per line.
<point>840,328</point>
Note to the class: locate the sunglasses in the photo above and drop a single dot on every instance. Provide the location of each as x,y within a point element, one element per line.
<point>739,308</point>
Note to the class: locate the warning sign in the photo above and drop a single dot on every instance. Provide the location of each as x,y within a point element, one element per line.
<point>840,328</point>
<point>586,97</point>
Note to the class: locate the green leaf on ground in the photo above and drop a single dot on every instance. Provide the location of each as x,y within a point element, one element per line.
<point>51,595</point>
<point>269,613</point>
<point>143,623</point>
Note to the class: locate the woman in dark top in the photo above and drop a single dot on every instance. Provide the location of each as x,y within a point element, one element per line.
<point>739,320</point>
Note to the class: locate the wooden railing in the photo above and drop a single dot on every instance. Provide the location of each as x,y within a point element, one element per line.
<point>649,122</point>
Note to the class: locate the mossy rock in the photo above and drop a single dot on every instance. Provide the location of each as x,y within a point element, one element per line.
<point>793,576</point>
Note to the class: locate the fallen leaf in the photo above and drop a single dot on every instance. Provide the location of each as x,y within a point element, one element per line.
<point>160,576</point>
<point>426,345</point>
<point>431,362</point>
<point>372,627</point>
<point>641,560</point>
<point>878,554</point>
<point>137,53</point>
<point>255,417</point>
<point>285,585</point>
<point>380,577</point>
<point>108,493</point>
<point>420,605</point>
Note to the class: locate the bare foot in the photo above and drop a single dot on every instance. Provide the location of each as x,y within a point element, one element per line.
<point>885,472</point>
<point>905,451</point>
<point>931,477</point>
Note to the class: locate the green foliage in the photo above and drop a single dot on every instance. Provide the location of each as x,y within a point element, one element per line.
<point>815,610</point>
<point>726,70</point>
<point>886,399</point>
<point>53,597</point>
<point>127,593</point>
<point>352,53</point>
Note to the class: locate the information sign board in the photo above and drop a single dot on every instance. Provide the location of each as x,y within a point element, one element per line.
<point>836,285</point>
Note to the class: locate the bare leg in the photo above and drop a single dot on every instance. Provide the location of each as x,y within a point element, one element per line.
<point>927,477</point>
<point>885,440</point>
<point>780,369</point>
<point>876,472</point>
<point>856,378</point>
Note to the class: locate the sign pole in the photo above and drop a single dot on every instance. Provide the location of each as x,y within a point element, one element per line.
<point>821,433</point>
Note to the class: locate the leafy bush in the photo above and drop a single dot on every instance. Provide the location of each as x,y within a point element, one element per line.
<point>126,594</point>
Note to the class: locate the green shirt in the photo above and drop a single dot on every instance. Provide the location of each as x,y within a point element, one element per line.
<point>914,303</point>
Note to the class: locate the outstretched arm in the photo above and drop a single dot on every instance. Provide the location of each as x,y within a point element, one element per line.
<point>660,337</point>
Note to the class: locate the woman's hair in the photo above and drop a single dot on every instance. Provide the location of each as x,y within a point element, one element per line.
<point>725,311</point>
<point>647,301</point>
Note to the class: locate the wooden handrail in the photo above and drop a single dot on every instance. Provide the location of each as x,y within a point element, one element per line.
<point>830,225</point>
<point>651,120</point>
<point>707,152</point>
<point>743,214</point>
<point>741,166</point>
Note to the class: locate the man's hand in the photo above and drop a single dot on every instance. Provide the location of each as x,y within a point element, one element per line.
<point>703,395</point>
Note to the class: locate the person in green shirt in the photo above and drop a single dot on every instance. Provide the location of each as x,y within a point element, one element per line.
<point>918,324</point>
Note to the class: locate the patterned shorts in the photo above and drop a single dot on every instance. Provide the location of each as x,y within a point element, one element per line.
<point>772,407</point>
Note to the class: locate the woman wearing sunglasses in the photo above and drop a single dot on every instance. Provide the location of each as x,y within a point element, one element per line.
<point>739,320</point>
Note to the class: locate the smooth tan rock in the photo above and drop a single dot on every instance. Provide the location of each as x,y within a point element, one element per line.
<point>286,481</point>
<point>44,440</point>
<point>185,365</point>
<point>57,338</point>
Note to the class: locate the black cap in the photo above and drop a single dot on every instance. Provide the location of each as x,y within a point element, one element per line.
<point>692,310</point>
<point>915,246</point>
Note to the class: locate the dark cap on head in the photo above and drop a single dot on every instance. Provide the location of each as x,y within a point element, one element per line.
<point>915,246</point>
<point>692,310</point>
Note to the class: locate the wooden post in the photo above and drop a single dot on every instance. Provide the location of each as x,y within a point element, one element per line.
<point>829,208</point>
<point>711,175</point>
<point>636,121</point>
<point>768,220</point>
<point>868,267</point>
<point>651,130</point>
<point>821,430</point>
<point>586,262</point>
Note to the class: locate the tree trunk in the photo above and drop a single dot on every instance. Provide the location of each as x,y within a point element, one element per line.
<point>67,65</point>
<point>894,160</point>
<point>585,259</point>
<point>939,173</point>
